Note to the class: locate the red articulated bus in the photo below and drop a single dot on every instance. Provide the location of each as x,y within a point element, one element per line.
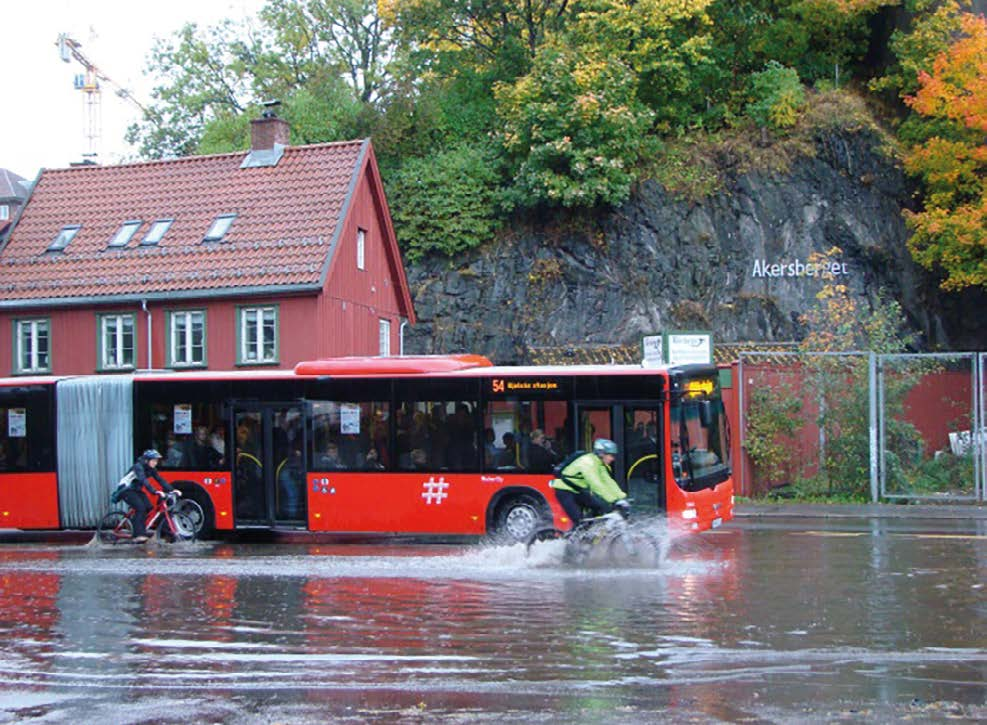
<point>425,445</point>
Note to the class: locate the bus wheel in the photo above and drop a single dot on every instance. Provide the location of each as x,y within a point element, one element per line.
<point>205,522</point>
<point>518,518</point>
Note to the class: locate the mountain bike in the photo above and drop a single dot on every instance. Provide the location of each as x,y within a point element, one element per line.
<point>164,521</point>
<point>606,540</point>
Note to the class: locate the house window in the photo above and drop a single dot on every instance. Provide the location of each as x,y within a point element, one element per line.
<point>62,239</point>
<point>31,342</point>
<point>126,232</point>
<point>186,338</point>
<point>220,226</point>
<point>361,241</point>
<point>258,335</point>
<point>384,337</point>
<point>4,211</point>
<point>117,342</point>
<point>157,231</point>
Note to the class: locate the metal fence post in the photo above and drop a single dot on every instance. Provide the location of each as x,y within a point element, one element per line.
<point>872,407</point>
<point>741,464</point>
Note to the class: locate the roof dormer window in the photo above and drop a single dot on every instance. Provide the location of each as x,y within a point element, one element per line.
<point>156,232</point>
<point>220,226</point>
<point>126,233</point>
<point>62,239</point>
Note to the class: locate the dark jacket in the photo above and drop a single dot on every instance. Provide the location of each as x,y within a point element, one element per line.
<point>142,472</point>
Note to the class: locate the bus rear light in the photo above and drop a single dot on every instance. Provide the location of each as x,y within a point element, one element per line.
<point>689,514</point>
<point>317,515</point>
<point>222,513</point>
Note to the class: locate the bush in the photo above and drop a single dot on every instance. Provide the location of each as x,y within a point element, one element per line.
<point>445,203</point>
<point>574,130</point>
<point>776,97</point>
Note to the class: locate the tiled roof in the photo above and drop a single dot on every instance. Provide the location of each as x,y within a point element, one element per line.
<point>724,353</point>
<point>12,186</point>
<point>286,225</point>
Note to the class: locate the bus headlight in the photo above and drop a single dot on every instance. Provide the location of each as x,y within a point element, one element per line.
<point>689,514</point>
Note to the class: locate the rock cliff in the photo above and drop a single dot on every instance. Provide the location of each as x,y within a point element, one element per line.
<point>735,264</point>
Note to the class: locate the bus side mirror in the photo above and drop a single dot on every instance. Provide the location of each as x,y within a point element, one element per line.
<point>706,413</point>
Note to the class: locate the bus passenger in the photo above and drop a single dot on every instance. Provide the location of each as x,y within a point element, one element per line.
<point>330,460</point>
<point>371,461</point>
<point>145,467</point>
<point>587,482</point>
<point>541,457</point>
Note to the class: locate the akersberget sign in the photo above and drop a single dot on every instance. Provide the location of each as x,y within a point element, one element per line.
<point>798,268</point>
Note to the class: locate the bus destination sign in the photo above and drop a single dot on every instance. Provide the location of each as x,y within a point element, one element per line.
<point>502,386</point>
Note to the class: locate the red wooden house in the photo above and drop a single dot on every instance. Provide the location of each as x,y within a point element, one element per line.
<point>259,258</point>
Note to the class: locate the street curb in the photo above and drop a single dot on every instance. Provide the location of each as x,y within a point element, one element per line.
<point>890,511</point>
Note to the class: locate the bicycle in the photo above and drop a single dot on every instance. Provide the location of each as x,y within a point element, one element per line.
<point>608,539</point>
<point>163,520</point>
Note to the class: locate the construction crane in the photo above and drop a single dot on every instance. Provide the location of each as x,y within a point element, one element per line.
<point>89,84</point>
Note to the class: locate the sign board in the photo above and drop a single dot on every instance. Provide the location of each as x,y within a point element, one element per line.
<point>687,347</point>
<point>651,351</point>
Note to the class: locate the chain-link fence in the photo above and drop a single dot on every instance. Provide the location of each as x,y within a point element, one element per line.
<point>862,425</point>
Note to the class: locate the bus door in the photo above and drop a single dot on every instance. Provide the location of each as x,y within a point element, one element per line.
<point>635,428</point>
<point>269,470</point>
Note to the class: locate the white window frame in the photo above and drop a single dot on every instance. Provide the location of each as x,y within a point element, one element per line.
<point>219,227</point>
<point>4,212</point>
<point>113,353</point>
<point>257,316</point>
<point>125,233</point>
<point>64,237</point>
<point>159,227</point>
<point>30,332</point>
<point>361,246</point>
<point>187,319</point>
<point>384,337</point>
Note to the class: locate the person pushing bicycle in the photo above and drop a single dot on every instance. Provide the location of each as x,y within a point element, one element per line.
<point>144,468</point>
<point>587,482</point>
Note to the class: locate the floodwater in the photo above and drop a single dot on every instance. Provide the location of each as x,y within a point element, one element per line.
<point>780,621</point>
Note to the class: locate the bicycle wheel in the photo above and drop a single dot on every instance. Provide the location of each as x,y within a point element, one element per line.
<point>194,512</point>
<point>547,533</point>
<point>634,549</point>
<point>114,527</point>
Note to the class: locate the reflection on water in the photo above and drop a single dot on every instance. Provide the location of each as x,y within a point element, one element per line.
<point>737,623</point>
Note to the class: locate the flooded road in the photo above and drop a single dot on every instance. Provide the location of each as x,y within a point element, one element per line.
<point>774,621</point>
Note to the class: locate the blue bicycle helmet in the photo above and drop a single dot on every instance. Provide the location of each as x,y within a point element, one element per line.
<point>150,453</point>
<point>604,445</point>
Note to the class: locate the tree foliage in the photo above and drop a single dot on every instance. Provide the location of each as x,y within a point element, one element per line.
<point>573,129</point>
<point>951,230</point>
<point>569,100</point>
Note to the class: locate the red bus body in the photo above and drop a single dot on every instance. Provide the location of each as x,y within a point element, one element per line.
<point>656,415</point>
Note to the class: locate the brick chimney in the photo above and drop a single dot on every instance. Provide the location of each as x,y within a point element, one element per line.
<point>269,129</point>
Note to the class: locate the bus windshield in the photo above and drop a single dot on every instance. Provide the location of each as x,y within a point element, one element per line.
<point>700,442</point>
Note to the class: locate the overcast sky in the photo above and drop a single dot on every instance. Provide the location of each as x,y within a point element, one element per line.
<point>44,123</point>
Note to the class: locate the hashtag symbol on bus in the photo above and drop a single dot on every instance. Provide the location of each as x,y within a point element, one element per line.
<point>434,491</point>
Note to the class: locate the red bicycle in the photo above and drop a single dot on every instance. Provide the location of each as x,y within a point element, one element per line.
<point>164,521</point>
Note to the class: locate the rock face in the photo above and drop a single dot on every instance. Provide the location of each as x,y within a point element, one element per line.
<point>735,264</point>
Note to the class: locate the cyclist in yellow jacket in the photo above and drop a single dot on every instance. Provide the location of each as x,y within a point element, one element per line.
<point>588,483</point>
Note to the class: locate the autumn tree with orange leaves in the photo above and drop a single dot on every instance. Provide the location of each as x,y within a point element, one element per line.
<point>950,232</point>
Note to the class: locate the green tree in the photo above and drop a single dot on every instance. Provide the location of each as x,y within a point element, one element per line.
<point>324,59</point>
<point>574,130</point>
<point>776,97</point>
<point>444,203</point>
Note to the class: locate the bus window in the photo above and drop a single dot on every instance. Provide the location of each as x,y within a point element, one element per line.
<point>526,435</point>
<point>641,471</point>
<point>350,436</point>
<point>436,435</point>
<point>700,445</point>
<point>191,436</point>
<point>26,430</point>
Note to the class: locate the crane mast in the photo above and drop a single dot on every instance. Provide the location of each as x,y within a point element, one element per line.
<point>90,84</point>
